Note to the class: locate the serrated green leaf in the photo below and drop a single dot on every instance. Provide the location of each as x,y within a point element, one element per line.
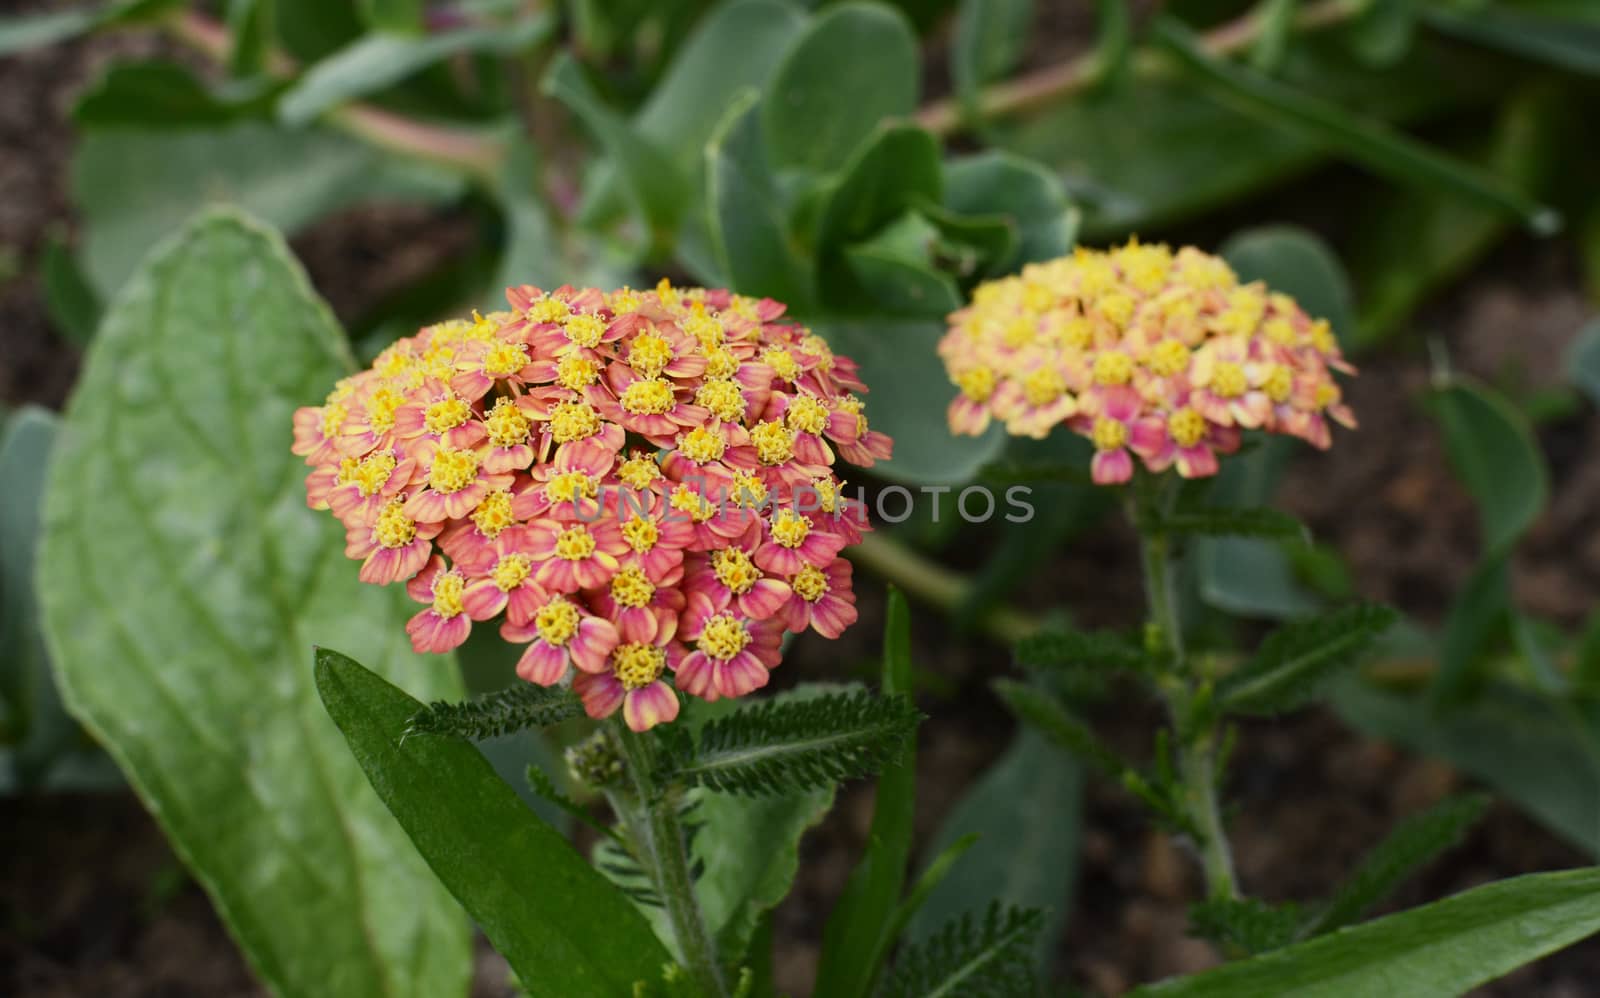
<point>988,955</point>
<point>856,939</point>
<point>377,61</point>
<point>1406,849</point>
<point>1247,924</point>
<point>856,66</point>
<point>183,581</point>
<point>1368,142</point>
<point>1062,648</point>
<point>1298,658</point>
<point>1439,950</point>
<point>1237,521</point>
<point>565,931</point>
<point>515,708</point>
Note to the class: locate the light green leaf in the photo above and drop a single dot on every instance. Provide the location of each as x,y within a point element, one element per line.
<point>377,61</point>
<point>566,932</point>
<point>893,168</point>
<point>1296,262</point>
<point>990,37</point>
<point>857,66</point>
<point>1002,183</point>
<point>1026,811</point>
<point>250,28</point>
<point>400,16</point>
<point>1442,949</point>
<point>27,31</point>
<point>1583,361</point>
<point>183,583</point>
<point>134,187</point>
<point>1565,43</point>
<point>1275,19</point>
<point>909,397</point>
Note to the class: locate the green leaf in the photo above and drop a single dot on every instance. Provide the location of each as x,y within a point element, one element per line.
<point>1571,44</point>
<point>1412,844</point>
<point>27,31</point>
<point>515,708</point>
<point>856,66</point>
<point>1244,576</point>
<point>1297,659</point>
<point>183,581</point>
<point>134,187</point>
<point>1237,521</point>
<point>375,62</point>
<point>1022,191</point>
<point>990,37</point>
<point>250,27</point>
<point>1527,749</point>
<point>73,304</point>
<point>565,931</point>
<point>1065,648</point>
<point>1583,361</point>
<point>1368,142</point>
<point>1441,949</point>
<point>1382,34</point>
<point>1297,262</point>
<point>856,939</point>
<point>1275,19</point>
<point>1247,924</point>
<point>1026,811</point>
<point>900,285</point>
<point>1045,714</point>
<point>166,95</point>
<point>399,16</point>
<point>986,954</point>
<point>774,747</point>
<point>892,169</point>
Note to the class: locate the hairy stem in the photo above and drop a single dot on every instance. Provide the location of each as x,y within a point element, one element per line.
<point>1196,746</point>
<point>663,851</point>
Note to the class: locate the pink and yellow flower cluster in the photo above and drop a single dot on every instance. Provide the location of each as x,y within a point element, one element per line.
<point>1148,353</point>
<point>641,483</point>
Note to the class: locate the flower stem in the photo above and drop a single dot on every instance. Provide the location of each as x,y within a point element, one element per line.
<point>1195,744</point>
<point>927,580</point>
<point>662,849</point>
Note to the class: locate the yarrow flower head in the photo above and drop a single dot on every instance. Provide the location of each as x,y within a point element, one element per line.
<point>639,485</point>
<point>1160,356</point>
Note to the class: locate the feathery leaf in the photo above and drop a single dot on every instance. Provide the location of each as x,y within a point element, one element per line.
<point>500,713</point>
<point>1070,649</point>
<point>1295,659</point>
<point>990,955</point>
<point>1246,923</point>
<point>1231,521</point>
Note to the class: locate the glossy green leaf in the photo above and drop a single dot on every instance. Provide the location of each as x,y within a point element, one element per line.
<point>183,582</point>
<point>1442,949</point>
<point>167,95</point>
<point>910,393</point>
<point>1365,141</point>
<point>855,67</point>
<point>73,304</point>
<point>1020,190</point>
<point>565,931</point>
<point>990,36</point>
<point>1583,361</point>
<point>1025,810</point>
<point>857,937</point>
<point>1296,262</point>
<point>134,187</point>
<point>1565,43</point>
<point>378,61</point>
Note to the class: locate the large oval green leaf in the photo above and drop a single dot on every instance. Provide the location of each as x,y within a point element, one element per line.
<point>183,583</point>
<point>1442,949</point>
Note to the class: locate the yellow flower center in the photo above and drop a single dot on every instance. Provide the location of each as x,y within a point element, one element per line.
<point>1322,338</point>
<point>333,416</point>
<point>1108,434</point>
<point>381,408</point>
<point>631,588</point>
<point>505,359</point>
<point>1019,332</point>
<point>453,470</point>
<point>749,490</point>
<point>649,355</point>
<point>493,514</point>
<point>721,364</point>
<point>782,363</point>
<point>548,310</point>
<point>651,397</point>
<point>818,347</point>
<point>1167,358</point>
<point>735,570</point>
<point>623,301</point>
<point>576,372</point>
<point>790,529</point>
<point>976,384</point>
<point>723,398</point>
<point>373,472</point>
<point>1228,380</point>
<point>639,471</point>
<point>1043,386</point>
<point>665,292</point>
<point>1117,309</point>
<point>641,534</point>
<point>724,637</point>
<point>574,543</point>
<point>811,583</point>
<point>1281,331</point>
<point>701,445</point>
<point>571,421</point>
<point>511,571</point>
<point>584,330</point>
<point>557,621</point>
<point>1077,333</point>
<point>705,328</point>
<point>447,593</point>
<point>637,664</point>
<point>394,529</point>
<point>827,494</point>
<point>686,500</point>
<point>445,415</point>
<point>774,443</point>
<point>570,486</point>
<point>507,425</point>
<point>1186,427</point>
<point>1279,383</point>
<point>806,414</point>
<point>1113,368</point>
<point>1327,394</point>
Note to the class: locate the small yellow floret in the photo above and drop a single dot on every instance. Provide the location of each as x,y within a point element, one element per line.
<point>806,414</point>
<point>452,470</point>
<point>511,571</point>
<point>493,514</point>
<point>570,486</point>
<point>639,471</point>
<point>394,529</point>
<point>1228,380</point>
<point>1167,358</point>
<point>548,310</point>
<point>372,474</point>
<point>782,363</point>
<point>571,421</point>
<point>505,359</point>
<point>447,589</point>
<point>1109,434</point>
<point>651,397</point>
<point>723,398</point>
<point>701,445</point>
<point>810,582</point>
<point>574,543</point>
<point>790,529</point>
<point>1186,427</point>
<point>557,621</point>
<point>724,637</point>
<point>697,507</point>
<point>735,570</point>
<point>1043,386</point>
<point>773,441</point>
<point>507,425</point>
<point>576,372</point>
<point>584,330</point>
<point>1279,383</point>
<point>637,664</point>
<point>445,415</point>
<point>976,383</point>
<point>1113,368</point>
<point>641,534</point>
<point>649,354</point>
<point>631,588</point>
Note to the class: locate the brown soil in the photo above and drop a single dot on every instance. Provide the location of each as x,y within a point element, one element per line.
<point>92,901</point>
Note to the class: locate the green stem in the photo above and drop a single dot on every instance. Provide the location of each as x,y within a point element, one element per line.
<point>925,579</point>
<point>1197,750</point>
<point>663,851</point>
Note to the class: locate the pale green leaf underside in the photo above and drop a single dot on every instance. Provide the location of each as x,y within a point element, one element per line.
<point>184,583</point>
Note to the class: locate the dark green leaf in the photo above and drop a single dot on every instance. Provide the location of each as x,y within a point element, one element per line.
<point>169,96</point>
<point>250,28</point>
<point>1571,44</point>
<point>183,581</point>
<point>74,305</point>
<point>895,271</point>
<point>399,16</point>
<point>1412,844</point>
<point>376,62</point>
<point>1047,716</point>
<point>515,708</point>
<point>856,66</point>
<point>1382,34</point>
<point>1586,671</point>
<point>856,939</point>
<point>1113,49</point>
<point>1064,648</point>
<point>990,37</point>
<point>1371,143</point>
<point>1441,949</point>
<point>1275,20</point>
<point>1031,197</point>
<point>563,929</point>
<point>1236,521</point>
<point>882,180</point>
<point>1298,658</point>
<point>1247,924</point>
<point>984,956</point>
